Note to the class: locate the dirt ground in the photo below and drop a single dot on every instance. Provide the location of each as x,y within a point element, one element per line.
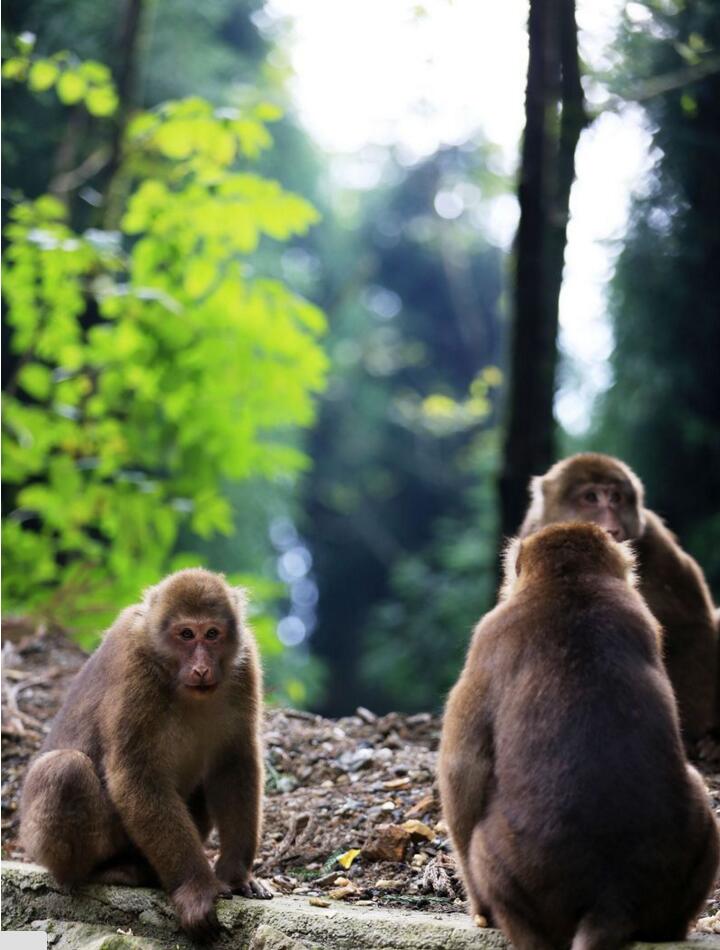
<point>351,808</point>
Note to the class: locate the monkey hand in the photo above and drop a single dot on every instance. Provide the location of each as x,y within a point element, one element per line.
<point>241,882</point>
<point>195,904</point>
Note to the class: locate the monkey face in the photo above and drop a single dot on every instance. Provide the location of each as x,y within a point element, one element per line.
<point>203,648</point>
<point>603,504</point>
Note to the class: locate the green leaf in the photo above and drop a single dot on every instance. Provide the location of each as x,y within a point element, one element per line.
<point>71,87</point>
<point>36,380</point>
<point>43,74</point>
<point>199,276</point>
<point>15,68</point>
<point>101,101</point>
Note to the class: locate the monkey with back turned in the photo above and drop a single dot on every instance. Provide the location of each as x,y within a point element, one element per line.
<point>156,742</point>
<point>603,490</point>
<point>575,817</point>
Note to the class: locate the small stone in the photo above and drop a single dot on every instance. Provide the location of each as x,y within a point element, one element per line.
<point>387,884</point>
<point>328,783</point>
<point>355,759</point>
<point>341,893</point>
<point>368,717</point>
<point>364,903</point>
<point>388,806</point>
<point>480,921</point>
<point>319,902</point>
<point>286,783</point>
<point>396,783</point>
<point>420,859</point>
<point>341,881</point>
<point>387,843</point>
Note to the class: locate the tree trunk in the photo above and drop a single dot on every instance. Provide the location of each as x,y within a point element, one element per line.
<point>125,74</point>
<point>554,118</point>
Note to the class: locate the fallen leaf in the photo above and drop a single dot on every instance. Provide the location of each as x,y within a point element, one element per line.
<point>418,829</point>
<point>345,860</point>
<point>420,808</point>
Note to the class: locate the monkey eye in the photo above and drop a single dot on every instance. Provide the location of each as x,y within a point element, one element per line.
<point>615,497</point>
<point>591,497</point>
<point>212,634</point>
<point>186,633</point>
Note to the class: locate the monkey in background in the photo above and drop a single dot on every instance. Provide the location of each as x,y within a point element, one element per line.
<point>156,742</point>
<point>603,490</point>
<point>575,818</point>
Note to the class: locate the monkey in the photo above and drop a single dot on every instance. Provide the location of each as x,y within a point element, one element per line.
<point>603,490</point>
<point>574,815</point>
<point>156,742</point>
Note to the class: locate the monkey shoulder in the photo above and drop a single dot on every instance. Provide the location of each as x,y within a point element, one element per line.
<point>671,580</point>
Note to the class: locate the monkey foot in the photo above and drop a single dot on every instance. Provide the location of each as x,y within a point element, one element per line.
<point>251,888</point>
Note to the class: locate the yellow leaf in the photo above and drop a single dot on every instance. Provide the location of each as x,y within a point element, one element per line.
<point>418,828</point>
<point>345,860</point>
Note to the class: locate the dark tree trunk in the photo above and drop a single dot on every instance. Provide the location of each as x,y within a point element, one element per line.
<point>554,118</point>
<point>125,74</point>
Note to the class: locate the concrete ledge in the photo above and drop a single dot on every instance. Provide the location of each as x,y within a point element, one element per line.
<point>98,917</point>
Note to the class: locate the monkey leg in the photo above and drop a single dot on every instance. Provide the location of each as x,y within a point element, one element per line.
<point>66,822</point>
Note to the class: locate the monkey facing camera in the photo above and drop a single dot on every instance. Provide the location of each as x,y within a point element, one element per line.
<point>156,743</point>
<point>575,818</point>
<point>603,490</point>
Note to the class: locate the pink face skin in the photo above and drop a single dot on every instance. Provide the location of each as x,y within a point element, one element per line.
<point>200,646</point>
<point>601,504</point>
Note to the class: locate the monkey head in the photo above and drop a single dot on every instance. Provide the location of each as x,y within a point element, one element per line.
<point>565,552</point>
<point>195,623</point>
<point>588,487</point>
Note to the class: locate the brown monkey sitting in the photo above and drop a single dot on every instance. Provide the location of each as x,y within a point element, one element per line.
<point>156,742</point>
<point>574,815</point>
<point>603,490</point>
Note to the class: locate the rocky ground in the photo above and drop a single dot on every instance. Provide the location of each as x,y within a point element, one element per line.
<point>351,809</point>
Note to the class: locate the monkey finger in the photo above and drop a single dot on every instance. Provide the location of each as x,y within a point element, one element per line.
<point>253,888</point>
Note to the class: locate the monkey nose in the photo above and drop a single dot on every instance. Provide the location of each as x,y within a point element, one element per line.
<point>200,672</point>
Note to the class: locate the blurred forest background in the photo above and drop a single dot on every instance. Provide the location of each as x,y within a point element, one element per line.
<point>217,351</point>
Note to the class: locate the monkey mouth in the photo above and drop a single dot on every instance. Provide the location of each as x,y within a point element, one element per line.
<point>201,689</point>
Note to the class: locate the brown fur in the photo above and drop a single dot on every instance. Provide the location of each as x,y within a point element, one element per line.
<point>575,817</point>
<point>139,763</point>
<point>670,580</point>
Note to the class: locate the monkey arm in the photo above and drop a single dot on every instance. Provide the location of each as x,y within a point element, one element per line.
<point>466,765</point>
<point>159,823</point>
<point>233,792</point>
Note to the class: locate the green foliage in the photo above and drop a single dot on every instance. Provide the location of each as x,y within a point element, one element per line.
<point>88,82</point>
<point>662,412</point>
<point>416,639</point>
<point>153,366</point>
